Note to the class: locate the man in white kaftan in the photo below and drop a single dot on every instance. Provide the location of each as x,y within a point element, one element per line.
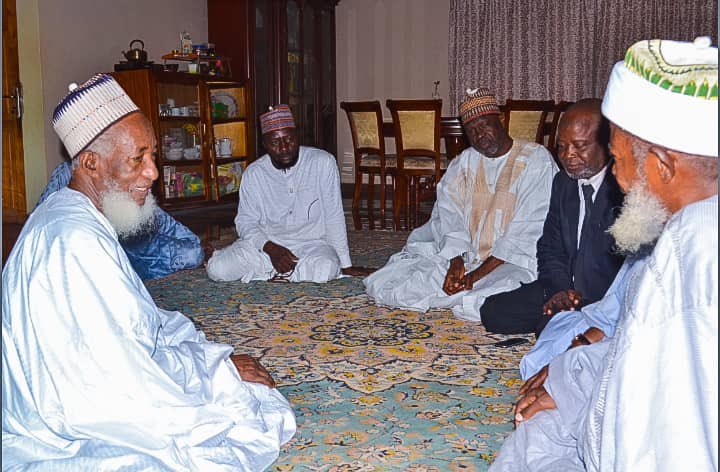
<point>94,375</point>
<point>489,213</point>
<point>290,219</point>
<point>646,399</point>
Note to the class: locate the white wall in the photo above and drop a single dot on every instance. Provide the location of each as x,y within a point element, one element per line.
<point>388,49</point>
<point>78,38</point>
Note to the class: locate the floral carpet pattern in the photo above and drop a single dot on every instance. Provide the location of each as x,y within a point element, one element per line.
<point>373,388</point>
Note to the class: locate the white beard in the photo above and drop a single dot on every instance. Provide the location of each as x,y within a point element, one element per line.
<point>127,217</point>
<point>641,221</point>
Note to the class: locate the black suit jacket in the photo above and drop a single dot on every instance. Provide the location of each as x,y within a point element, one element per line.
<point>556,248</point>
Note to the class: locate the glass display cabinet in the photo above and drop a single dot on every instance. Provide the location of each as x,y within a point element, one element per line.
<point>287,48</point>
<point>201,125</point>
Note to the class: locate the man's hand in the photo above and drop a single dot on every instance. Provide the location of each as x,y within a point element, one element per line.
<point>281,257</point>
<point>455,278</point>
<point>535,381</point>
<point>488,265</point>
<point>250,370</point>
<point>535,400</point>
<point>593,335</point>
<point>564,300</point>
<point>357,271</point>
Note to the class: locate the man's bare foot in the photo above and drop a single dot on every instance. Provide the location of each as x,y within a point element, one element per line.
<point>250,370</point>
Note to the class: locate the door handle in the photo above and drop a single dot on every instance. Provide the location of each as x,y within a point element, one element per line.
<point>18,108</point>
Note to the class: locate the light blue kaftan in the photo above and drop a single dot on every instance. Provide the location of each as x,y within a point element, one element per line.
<point>645,399</point>
<point>560,330</point>
<point>168,247</point>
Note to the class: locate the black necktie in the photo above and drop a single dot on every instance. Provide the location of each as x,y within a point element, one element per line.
<point>587,191</point>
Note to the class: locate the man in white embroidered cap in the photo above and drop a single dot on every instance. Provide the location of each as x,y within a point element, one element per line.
<point>646,399</point>
<point>290,221</point>
<point>94,375</point>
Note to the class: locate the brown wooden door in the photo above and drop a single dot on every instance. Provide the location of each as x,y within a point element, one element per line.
<point>14,206</point>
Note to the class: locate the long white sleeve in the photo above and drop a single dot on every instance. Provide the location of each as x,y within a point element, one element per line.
<point>249,220</point>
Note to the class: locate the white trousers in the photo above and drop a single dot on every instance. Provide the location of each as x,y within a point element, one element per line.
<point>414,282</point>
<point>317,262</point>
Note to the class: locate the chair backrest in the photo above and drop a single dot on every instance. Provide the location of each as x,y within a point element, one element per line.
<point>417,129</point>
<point>559,111</point>
<point>366,124</point>
<point>525,119</point>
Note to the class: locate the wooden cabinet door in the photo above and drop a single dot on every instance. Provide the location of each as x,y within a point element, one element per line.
<point>14,206</point>
<point>13,165</point>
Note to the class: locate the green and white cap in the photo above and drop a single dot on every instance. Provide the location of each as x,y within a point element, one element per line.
<point>666,92</point>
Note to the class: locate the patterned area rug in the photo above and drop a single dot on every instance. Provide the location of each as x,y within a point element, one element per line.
<point>373,388</point>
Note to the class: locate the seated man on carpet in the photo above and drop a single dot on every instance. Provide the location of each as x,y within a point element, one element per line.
<point>94,375</point>
<point>647,399</point>
<point>481,237</point>
<point>160,248</point>
<point>575,257</point>
<point>290,220</point>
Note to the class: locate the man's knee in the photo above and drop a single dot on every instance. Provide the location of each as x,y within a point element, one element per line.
<point>237,262</point>
<point>491,315</point>
<point>319,266</point>
<point>216,267</point>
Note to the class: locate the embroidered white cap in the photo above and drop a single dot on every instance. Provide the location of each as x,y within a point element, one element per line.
<point>666,92</point>
<point>88,110</point>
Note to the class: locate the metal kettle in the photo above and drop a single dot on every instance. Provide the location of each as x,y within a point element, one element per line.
<point>136,55</point>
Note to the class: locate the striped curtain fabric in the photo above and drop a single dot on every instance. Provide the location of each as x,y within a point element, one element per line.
<point>558,49</point>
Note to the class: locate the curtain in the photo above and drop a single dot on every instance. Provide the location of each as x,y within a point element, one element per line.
<point>558,49</point>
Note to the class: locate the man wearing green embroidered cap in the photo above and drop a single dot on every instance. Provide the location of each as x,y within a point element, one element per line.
<point>647,399</point>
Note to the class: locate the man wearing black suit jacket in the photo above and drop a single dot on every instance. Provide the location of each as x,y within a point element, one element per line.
<point>576,261</point>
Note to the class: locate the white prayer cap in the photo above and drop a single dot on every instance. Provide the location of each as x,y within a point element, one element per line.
<point>666,92</point>
<point>88,110</point>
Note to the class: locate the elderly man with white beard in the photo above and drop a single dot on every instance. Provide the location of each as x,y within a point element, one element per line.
<point>158,248</point>
<point>94,375</point>
<point>646,399</point>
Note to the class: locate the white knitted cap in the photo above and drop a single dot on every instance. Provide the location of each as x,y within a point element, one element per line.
<point>666,92</point>
<point>88,110</point>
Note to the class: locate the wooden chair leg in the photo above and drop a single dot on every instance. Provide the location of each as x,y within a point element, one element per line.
<point>416,212</point>
<point>356,200</point>
<point>371,200</point>
<point>382,200</point>
<point>408,200</point>
<point>398,200</point>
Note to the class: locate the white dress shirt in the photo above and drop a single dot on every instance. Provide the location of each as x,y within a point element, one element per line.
<point>596,181</point>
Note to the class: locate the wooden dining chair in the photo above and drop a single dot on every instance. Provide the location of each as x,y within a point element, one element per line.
<point>558,112</point>
<point>526,119</point>
<point>419,162</point>
<point>366,122</point>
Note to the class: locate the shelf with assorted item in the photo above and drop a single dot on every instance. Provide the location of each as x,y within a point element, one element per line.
<point>228,114</point>
<point>203,132</point>
<point>205,64</point>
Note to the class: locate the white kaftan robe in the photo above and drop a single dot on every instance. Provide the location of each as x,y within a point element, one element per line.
<point>461,225</point>
<point>646,399</point>
<point>299,208</point>
<point>656,406</point>
<point>96,377</point>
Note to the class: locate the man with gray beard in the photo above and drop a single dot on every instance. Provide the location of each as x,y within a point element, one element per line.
<point>95,376</point>
<point>645,400</point>
<point>158,248</point>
